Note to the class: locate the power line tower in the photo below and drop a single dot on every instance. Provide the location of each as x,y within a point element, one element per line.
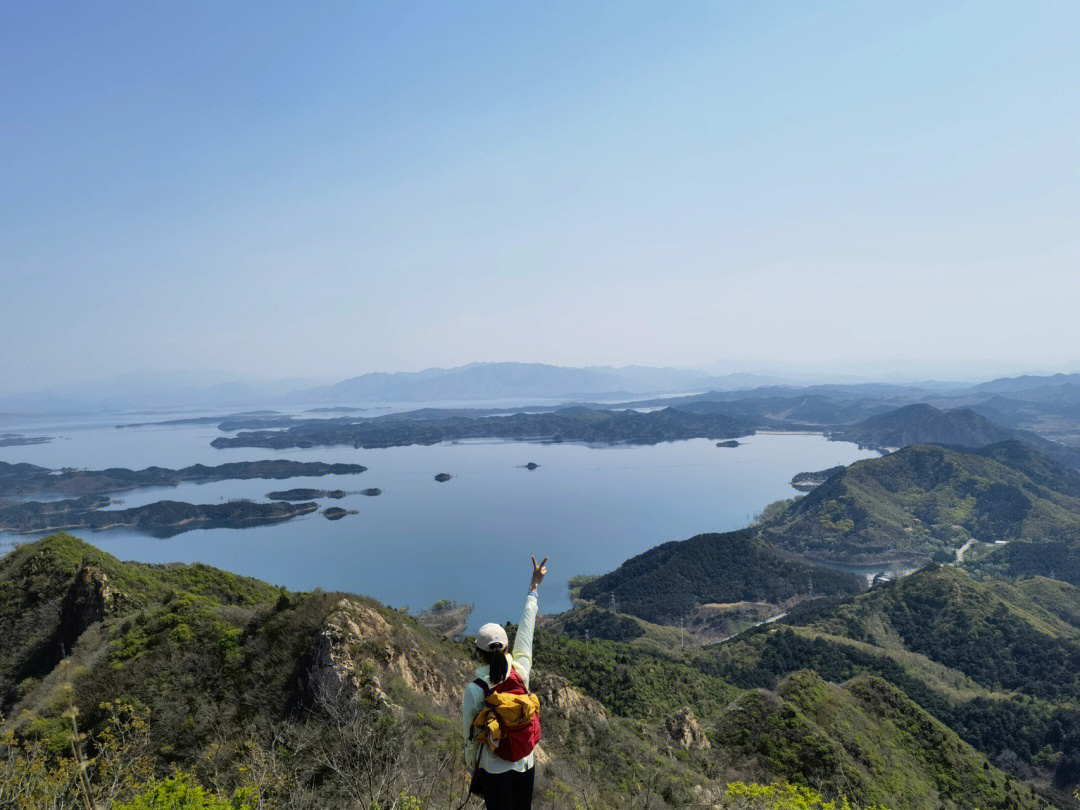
<point>614,604</point>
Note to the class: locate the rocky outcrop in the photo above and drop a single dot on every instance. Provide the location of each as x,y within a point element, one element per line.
<point>556,694</point>
<point>86,603</point>
<point>358,651</point>
<point>685,731</point>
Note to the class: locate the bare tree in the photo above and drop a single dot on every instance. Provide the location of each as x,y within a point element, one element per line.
<point>376,759</point>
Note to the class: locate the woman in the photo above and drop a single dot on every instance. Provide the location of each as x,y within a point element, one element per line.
<point>505,784</point>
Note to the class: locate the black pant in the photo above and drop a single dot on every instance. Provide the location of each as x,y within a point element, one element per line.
<point>510,790</point>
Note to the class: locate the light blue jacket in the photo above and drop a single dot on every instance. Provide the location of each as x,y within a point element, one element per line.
<point>521,661</point>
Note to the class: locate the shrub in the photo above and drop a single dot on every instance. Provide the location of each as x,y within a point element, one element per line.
<point>182,793</point>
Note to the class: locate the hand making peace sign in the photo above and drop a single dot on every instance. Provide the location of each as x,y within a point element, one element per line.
<point>538,573</point>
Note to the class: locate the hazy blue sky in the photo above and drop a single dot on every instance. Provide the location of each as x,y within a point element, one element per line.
<point>332,189</point>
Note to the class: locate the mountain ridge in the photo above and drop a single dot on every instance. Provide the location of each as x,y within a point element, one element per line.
<point>249,687</point>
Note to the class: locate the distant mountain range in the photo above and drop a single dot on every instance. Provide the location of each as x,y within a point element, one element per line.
<point>476,381</point>
<point>487,381</point>
<point>1034,402</point>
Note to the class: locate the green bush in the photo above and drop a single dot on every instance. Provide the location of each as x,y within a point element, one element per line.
<point>182,793</point>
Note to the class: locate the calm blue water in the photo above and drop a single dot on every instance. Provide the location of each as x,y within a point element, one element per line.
<point>469,539</point>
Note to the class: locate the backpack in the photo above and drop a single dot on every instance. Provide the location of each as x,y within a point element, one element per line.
<point>518,741</point>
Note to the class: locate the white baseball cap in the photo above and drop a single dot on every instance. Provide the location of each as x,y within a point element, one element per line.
<point>491,637</point>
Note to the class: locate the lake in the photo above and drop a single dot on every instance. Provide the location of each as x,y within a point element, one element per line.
<point>469,539</point>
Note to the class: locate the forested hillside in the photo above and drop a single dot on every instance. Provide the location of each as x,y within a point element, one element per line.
<point>921,423</point>
<point>998,663</point>
<point>674,579</point>
<point>188,679</point>
<point>925,424</point>
<point>926,498</point>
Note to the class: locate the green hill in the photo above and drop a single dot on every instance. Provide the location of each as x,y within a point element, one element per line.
<point>925,424</point>
<point>287,700</point>
<point>869,737</point>
<point>927,498</point>
<point>959,427</point>
<point>998,663</point>
<point>1056,559</point>
<point>674,579</point>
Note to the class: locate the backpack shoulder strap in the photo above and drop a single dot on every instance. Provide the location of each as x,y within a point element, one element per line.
<point>483,686</point>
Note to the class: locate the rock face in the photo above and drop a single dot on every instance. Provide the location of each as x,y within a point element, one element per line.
<point>86,602</point>
<point>443,477</point>
<point>358,651</point>
<point>685,731</point>
<point>557,694</point>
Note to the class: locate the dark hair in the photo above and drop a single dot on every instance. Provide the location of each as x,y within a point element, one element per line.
<point>496,661</point>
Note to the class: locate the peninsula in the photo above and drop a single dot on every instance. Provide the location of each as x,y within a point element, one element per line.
<point>15,440</point>
<point>571,424</point>
<point>87,513</point>
<point>30,479</point>
<point>808,480</point>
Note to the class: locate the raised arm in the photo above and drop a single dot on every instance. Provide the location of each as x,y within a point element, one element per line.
<point>523,642</point>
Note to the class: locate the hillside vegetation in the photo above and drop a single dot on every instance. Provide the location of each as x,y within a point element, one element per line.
<point>921,423</point>
<point>928,498</point>
<point>188,680</point>
<point>924,424</point>
<point>998,663</point>
<point>674,579</point>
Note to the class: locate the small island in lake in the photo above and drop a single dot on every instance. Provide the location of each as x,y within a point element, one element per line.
<point>371,492</point>
<point>337,513</point>
<point>86,513</point>
<point>304,494</point>
<point>532,465</point>
<point>728,443</point>
<point>443,477</point>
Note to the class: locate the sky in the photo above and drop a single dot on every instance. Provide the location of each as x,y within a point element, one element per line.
<point>330,189</point>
